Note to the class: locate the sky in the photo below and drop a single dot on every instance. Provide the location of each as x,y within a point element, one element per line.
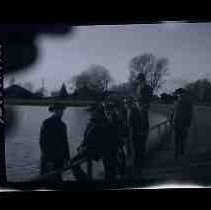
<point>186,45</point>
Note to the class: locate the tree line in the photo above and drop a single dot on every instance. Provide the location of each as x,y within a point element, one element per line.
<point>96,80</point>
<point>199,90</point>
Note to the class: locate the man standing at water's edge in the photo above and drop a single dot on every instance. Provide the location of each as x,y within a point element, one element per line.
<point>182,117</point>
<point>141,116</point>
<point>53,141</point>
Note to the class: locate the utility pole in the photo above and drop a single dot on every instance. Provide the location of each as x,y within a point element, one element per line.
<point>43,87</point>
<point>43,83</point>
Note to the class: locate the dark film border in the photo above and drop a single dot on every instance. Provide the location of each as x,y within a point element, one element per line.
<point>76,186</point>
<point>3,176</point>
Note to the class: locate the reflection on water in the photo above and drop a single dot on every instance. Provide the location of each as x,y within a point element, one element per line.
<point>22,143</point>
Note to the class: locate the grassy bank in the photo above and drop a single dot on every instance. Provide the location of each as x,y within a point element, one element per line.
<point>47,102</point>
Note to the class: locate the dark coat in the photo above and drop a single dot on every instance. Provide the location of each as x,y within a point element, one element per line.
<point>53,140</point>
<point>183,112</point>
<point>135,119</point>
<point>101,135</point>
<point>145,95</point>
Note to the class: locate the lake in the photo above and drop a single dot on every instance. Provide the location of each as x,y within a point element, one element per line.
<point>22,143</point>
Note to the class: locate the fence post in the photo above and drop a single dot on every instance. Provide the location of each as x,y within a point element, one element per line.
<point>166,127</point>
<point>159,131</point>
<point>89,169</point>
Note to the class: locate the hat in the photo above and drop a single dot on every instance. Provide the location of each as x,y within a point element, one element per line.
<point>56,106</point>
<point>141,77</point>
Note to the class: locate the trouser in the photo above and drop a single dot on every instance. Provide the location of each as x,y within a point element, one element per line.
<point>77,171</point>
<point>140,149</point>
<point>109,162</point>
<point>180,136</point>
<point>48,165</point>
<point>145,118</point>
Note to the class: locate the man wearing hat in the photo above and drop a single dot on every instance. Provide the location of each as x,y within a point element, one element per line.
<point>53,141</point>
<point>143,92</point>
<point>101,139</point>
<point>143,98</point>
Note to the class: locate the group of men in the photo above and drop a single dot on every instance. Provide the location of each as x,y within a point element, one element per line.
<point>112,123</point>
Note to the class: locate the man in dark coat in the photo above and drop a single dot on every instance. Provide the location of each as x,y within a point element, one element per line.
<point>100,140</point>
<point>182,116</point>
<point>112,139</point>
<point>135,133</point>
<point>144,95</point>
<point>140,119</point>
<point>53,141</point>
<point>122,112</point>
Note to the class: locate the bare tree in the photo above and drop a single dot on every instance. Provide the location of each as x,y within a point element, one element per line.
<point>155,69</point>
<point>200,89</point>
<point>122,88</point>
<point>95,78</point>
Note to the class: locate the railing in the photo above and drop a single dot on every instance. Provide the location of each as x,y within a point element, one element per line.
<point>90,162</point>
<point>158,126</point>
